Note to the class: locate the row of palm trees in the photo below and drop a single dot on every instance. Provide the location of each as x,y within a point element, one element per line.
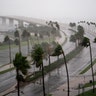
<point>7,40</point>
<point>78,36</point>
<point>85,41</point>
<point>38,55</point>
<point>21,64</point>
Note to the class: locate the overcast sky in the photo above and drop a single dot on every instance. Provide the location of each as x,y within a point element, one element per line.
<point>46,9</point>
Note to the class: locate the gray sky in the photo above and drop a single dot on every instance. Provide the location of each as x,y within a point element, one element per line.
<point>46,9</point>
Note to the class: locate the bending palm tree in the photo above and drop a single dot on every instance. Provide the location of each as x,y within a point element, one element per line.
<point>21,64</point>
<point>59,51</point>
<point>86,43</point>
<point>37,56</point>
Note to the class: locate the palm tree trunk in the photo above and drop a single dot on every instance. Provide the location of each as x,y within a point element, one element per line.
<point>49,64</point>
<point>19,43</point>
<point>28,44</point>
<point>66,72</point>
<point>92,67</point>
<point>9,51</point>
<point>18,83</point>
<point>43,80</point>
<point>31,41</point>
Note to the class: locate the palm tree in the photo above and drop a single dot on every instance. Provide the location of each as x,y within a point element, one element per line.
<point>58,51</point>
<point>17,36</point>
<point>95,40</point>
<point>7,40</point>
<point>86,43</point>
<point>16,41</point>
<point>57,25</point>
<point>37,56</point>
<point>26,35</point>
<point>22,65</point>
<point>36,35</point>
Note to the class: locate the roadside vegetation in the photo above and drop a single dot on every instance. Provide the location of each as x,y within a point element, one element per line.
<point>88,67</point>
<point>88,93</point>
<point>55,65</point>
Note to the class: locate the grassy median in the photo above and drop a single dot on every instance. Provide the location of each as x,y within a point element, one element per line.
<point>88,93</point>
<point>88,67</point>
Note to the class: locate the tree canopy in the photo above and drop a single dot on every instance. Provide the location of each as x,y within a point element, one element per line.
<point>37,55</point>
<point>21,63</point>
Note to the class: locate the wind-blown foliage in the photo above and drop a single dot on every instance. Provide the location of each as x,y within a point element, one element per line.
<point>85,42</point>
<point>37,56</point>
<point>21,63</point>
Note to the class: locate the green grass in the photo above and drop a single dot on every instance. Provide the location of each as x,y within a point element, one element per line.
<point>87,68</point>
<point>7,70</point>
<point>89,84</point>
<point>23,43</point>
<point>88,93</point>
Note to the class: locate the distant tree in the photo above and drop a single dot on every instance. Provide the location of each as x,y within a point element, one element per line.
<point>16,41</point>
<point>50,23</point>
<point>17,36</point>
<point>88,23</point>
<point>16,33</point>
<point>36,35</point>
<point>26,36</point>
<point>57,25</point>
<point>80,33</point>
<point>7,41</point>
<point>72,24</point>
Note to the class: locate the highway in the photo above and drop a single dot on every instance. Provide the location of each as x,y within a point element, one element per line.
<point>58,76</point>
